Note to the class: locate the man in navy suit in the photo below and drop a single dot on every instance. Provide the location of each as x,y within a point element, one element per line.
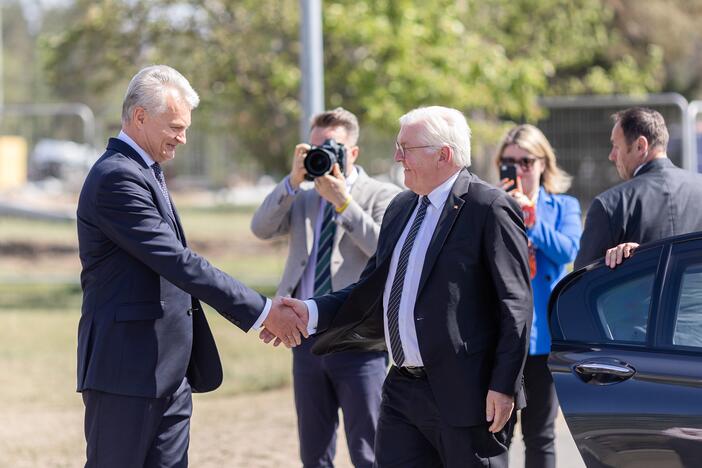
<point>448,293</point>
<point>143,341</point>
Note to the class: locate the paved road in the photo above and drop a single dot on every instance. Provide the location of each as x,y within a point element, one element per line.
<point>567,454</point>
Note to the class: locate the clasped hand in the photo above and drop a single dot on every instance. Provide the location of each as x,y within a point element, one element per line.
<point>286,321</point>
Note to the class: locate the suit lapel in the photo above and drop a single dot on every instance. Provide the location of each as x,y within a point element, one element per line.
<point>160,199</point>
<point>115,144</point>
<point>395,224</point>
<point>179,226</point>
<point>452,208</point>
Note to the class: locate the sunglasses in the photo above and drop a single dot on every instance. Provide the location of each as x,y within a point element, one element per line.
<point>525,163</point>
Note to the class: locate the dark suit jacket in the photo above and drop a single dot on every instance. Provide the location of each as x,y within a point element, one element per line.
<point>142,328</point>
<point>474,304</point>
<point>662,200</point>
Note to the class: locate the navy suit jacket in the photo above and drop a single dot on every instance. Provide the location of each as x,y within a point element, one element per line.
<point>142,328</point>
<point>474,303</point>
<point>662,200</point>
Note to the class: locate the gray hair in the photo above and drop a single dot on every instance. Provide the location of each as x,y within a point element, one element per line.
<point>443,126</point>
<point>148,90</point>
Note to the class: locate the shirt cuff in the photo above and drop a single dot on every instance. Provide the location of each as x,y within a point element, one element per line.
<point>313,319</point>
<point>258,324</point>
<point>291,191</point>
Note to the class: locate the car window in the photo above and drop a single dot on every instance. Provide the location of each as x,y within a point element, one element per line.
<point>608,306</point>
<point>623,307</point>
<point>688,316</point>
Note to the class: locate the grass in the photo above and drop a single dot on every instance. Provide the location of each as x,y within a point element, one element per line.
<point>40,301</point>
<point>52,298</point>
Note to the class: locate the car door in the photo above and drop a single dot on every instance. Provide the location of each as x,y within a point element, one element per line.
<point>627,357</point>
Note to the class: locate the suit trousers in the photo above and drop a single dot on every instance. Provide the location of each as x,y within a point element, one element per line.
<point>539,416</point>
<point>412,434</point>
<point>133,432</point>
<point>350,380</point>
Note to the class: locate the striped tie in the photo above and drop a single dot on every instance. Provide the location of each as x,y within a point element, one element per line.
<point>322,273</point>
<point>158,173</point>
<point>396,291</point>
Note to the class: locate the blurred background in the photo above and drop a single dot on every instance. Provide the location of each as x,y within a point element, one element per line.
<point>564,65</point>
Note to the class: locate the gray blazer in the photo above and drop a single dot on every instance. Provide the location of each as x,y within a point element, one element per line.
<point>356,234</point>
<point>662,200</point>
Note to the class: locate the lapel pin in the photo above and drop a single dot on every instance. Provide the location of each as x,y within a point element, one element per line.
<point>455,207</point>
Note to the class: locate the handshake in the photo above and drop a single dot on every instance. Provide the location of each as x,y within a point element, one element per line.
<point>286,321</point>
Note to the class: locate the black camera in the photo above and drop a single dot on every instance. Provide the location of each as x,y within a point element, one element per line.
<point>321,159</point>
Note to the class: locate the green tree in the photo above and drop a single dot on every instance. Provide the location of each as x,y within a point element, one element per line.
<point>490,58</point>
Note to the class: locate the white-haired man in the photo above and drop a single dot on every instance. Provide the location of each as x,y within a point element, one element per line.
<point>143,341</point>
<point>448,291</point>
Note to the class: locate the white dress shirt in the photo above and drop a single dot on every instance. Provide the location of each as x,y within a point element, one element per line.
<point>150,162</point>
<point>415,265</point>
<point>408,332</point>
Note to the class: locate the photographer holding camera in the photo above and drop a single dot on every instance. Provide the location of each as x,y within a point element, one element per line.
<point>332,231</point>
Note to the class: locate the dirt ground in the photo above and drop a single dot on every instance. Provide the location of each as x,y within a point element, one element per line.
<point>247,431</point>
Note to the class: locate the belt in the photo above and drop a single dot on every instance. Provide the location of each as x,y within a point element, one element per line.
<point>412,372</point>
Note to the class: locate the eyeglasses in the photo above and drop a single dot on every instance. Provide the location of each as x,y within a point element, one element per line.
<point>525,163</point>
<point>401,149</point>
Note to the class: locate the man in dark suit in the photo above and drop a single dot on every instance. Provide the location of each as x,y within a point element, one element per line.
<point>448,293</point>
<point>143,341</point>
<point>656,200</point>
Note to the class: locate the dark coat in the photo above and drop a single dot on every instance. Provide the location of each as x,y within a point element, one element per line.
<point>474,302</point>
<point>142,328</point>
<point>662,200</point>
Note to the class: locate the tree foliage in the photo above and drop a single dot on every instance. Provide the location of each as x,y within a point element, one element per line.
<point>489,58</point>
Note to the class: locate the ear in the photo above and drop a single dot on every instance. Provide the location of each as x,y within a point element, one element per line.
<point>139,116</point>
<point>352,154</point>
<point>445,155</point>
<point>642,146</point>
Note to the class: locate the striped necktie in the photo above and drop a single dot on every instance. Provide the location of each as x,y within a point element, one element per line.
<point>398,353</point>
<point>322,273</point>
<point>158,173</point>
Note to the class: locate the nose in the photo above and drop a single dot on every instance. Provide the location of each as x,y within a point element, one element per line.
<point>398,155</point>
<point>613,156</point>
<point>180,138</point>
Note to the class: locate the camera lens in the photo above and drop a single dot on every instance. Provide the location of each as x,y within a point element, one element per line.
<point>318,163</point>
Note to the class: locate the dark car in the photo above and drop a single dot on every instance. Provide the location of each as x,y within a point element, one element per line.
<point>627,356</point>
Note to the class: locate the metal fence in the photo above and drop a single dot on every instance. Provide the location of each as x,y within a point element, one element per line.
<point>579,128</point>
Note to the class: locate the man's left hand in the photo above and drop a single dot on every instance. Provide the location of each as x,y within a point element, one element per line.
<point>616,255</point>
<point>332,187</point>
<point>498,409</point>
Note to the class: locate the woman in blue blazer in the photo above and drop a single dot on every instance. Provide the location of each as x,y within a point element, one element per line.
<point>553,229</point>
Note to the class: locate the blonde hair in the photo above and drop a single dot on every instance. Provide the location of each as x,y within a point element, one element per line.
<point>531,139</point>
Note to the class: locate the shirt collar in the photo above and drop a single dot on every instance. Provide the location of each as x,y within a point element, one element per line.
<point>352,177</point>
<point>636,171</point>
<point>128,140</point>
<point>438,196</point>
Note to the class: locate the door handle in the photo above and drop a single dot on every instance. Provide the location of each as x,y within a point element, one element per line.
<point>603,372</point>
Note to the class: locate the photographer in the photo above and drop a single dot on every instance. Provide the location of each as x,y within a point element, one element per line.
<point>332,231</point>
